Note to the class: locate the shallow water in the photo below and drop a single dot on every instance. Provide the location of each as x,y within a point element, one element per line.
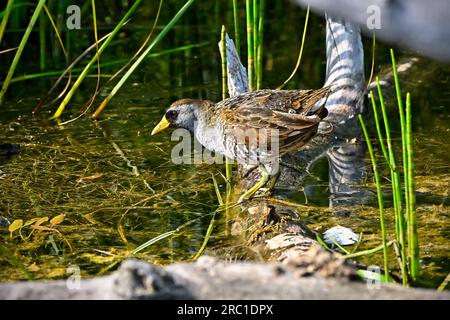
<point>118,188</point>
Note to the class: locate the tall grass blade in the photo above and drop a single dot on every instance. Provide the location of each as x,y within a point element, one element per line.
<point>367,252</point>
<point>379,195</point>
<point>97,85</point>
<point>55,28</point>
<point>153,241</point>
<point>299,59</point>
<point>237,37</point>
<point>372,66</point>
<point>136,54</point>
<point>378,127</point>
<point>396,187</point>
<point>5,18</point>
<point>19,51</point>
<point>42,43</point>
<point>86,69</point>
<point>401,113</point>
<point>259,45</point>
<point>63,73</point>
<point>250,48</point>
<point>133,67</point>
<point>413,239</point>
<point>255,15</point>
<point>223,56</point>
<point>217,190</point>
<point>207,237</point>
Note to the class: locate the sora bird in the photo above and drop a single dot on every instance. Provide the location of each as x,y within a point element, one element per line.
<point>255,127</point>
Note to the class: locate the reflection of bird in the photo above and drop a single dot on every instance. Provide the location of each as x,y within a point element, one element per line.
<point>255,127</point>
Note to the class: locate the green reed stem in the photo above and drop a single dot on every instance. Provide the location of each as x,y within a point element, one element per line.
<point>154,240</point>
<point>379,195</point>
<point>413,239</point>
<point>403,128</point>
<point>85,71</point>
<point>396,188</point>
<point>223,55</point>
<point>167,234</point>
<point>207,237</point>
<point>8,9</point>
<point>372,65</point>
<point>299,59</point>
<point>19,51</point>
<point>367,252</point>
<point>144,44</point>
<point>211,223</point>
<point>377,125</point>
<point>259,46</point>
<point>250,48</point>
<point>55,28</point>
<point>255,30</point>
<point>236,27</point>
<point>42,43</point>
<point>138,61</point>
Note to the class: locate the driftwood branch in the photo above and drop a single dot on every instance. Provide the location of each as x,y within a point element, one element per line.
<point>237,79</point>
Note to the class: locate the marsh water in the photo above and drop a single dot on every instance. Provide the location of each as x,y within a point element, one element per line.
<point>116,184</point>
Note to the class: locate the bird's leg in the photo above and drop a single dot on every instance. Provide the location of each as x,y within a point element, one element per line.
<point>250,192</point>
<point>271,184</point>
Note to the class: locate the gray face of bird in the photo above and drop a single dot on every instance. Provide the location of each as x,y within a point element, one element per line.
<point>183,116</point>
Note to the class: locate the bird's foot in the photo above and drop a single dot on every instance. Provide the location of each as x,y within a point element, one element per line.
<point>250,192</point>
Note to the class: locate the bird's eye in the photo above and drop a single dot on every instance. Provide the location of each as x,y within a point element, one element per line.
<point>171,115</point>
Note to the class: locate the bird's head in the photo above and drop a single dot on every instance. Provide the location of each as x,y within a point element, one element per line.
<point>181,114</point>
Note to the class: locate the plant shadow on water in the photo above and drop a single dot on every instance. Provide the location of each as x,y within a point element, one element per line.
<point>118,188</point>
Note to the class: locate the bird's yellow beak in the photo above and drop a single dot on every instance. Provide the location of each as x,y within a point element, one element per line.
<point>163,124</point>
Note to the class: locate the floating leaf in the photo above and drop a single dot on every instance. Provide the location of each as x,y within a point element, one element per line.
<point>30,222</point>
<point>58,219</point>
<point>16,224</point>
<point>43,228</point>
<point>41,221</point>
<point>122,233</point>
